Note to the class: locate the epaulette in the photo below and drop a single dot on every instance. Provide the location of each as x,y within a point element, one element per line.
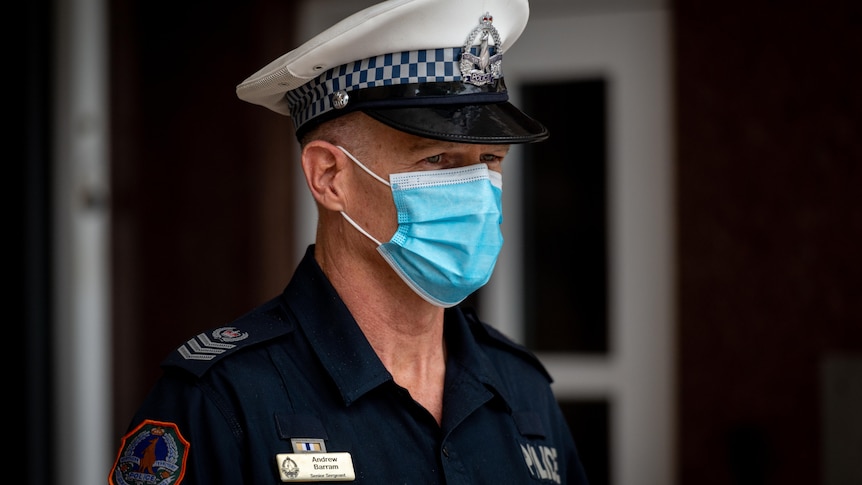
<point>482,329</point>
<point>200,352</point>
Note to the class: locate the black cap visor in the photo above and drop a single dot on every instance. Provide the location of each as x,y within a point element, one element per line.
<point>489,124</point>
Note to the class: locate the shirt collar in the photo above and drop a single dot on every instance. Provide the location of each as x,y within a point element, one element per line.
<point>332,332</point>
<point>345,352</point>
<point>467,358</point>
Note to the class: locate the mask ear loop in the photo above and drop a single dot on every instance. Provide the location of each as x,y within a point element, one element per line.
<point>363,231</point>
<point>368,170</point>
<point>363,167</point>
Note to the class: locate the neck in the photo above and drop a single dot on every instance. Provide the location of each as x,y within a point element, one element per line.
<point>404,330</point>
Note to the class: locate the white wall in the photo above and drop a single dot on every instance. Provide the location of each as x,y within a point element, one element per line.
<point>83,445</point>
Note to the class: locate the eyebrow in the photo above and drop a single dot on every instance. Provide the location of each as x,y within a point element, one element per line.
<point>424,143</point>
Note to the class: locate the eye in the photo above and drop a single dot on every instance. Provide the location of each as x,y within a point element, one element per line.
<point>434,159</point>
<point>490,157</point>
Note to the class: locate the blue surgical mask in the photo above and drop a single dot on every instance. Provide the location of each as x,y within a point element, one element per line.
<point>448,236</point>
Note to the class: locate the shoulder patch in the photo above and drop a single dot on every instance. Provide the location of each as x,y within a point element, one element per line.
<point>154,452</point>
<point>200,352</point>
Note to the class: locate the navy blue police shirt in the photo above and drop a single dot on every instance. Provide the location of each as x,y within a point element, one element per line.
<point>293,391</point>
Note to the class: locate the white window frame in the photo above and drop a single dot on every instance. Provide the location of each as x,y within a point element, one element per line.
<point>631,51</point>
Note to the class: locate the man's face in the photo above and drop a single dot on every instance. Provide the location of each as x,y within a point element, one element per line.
<point>386,151</point>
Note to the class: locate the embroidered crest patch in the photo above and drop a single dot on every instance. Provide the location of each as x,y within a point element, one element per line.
<point>154,453</point>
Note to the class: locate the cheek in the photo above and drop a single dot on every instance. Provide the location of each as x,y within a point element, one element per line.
<point>385,214</point>
<point>376,210</point>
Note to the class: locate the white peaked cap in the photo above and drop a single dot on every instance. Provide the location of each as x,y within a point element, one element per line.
<point>401,62</point>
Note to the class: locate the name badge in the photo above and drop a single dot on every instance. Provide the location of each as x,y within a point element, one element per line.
<point>315,467</point>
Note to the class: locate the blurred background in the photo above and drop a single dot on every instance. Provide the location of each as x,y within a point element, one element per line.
<point>683,253</point>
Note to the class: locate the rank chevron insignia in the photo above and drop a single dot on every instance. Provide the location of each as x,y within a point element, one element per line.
<point>207,347</point>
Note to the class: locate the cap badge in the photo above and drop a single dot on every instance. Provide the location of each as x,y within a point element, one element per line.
<point>484,68</point>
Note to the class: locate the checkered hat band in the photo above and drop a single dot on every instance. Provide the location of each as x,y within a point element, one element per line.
<point>434,65</point>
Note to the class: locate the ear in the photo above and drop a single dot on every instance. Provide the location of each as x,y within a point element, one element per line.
<point>322,163</point>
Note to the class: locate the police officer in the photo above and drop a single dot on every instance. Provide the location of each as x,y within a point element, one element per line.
<point>365,369</point>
